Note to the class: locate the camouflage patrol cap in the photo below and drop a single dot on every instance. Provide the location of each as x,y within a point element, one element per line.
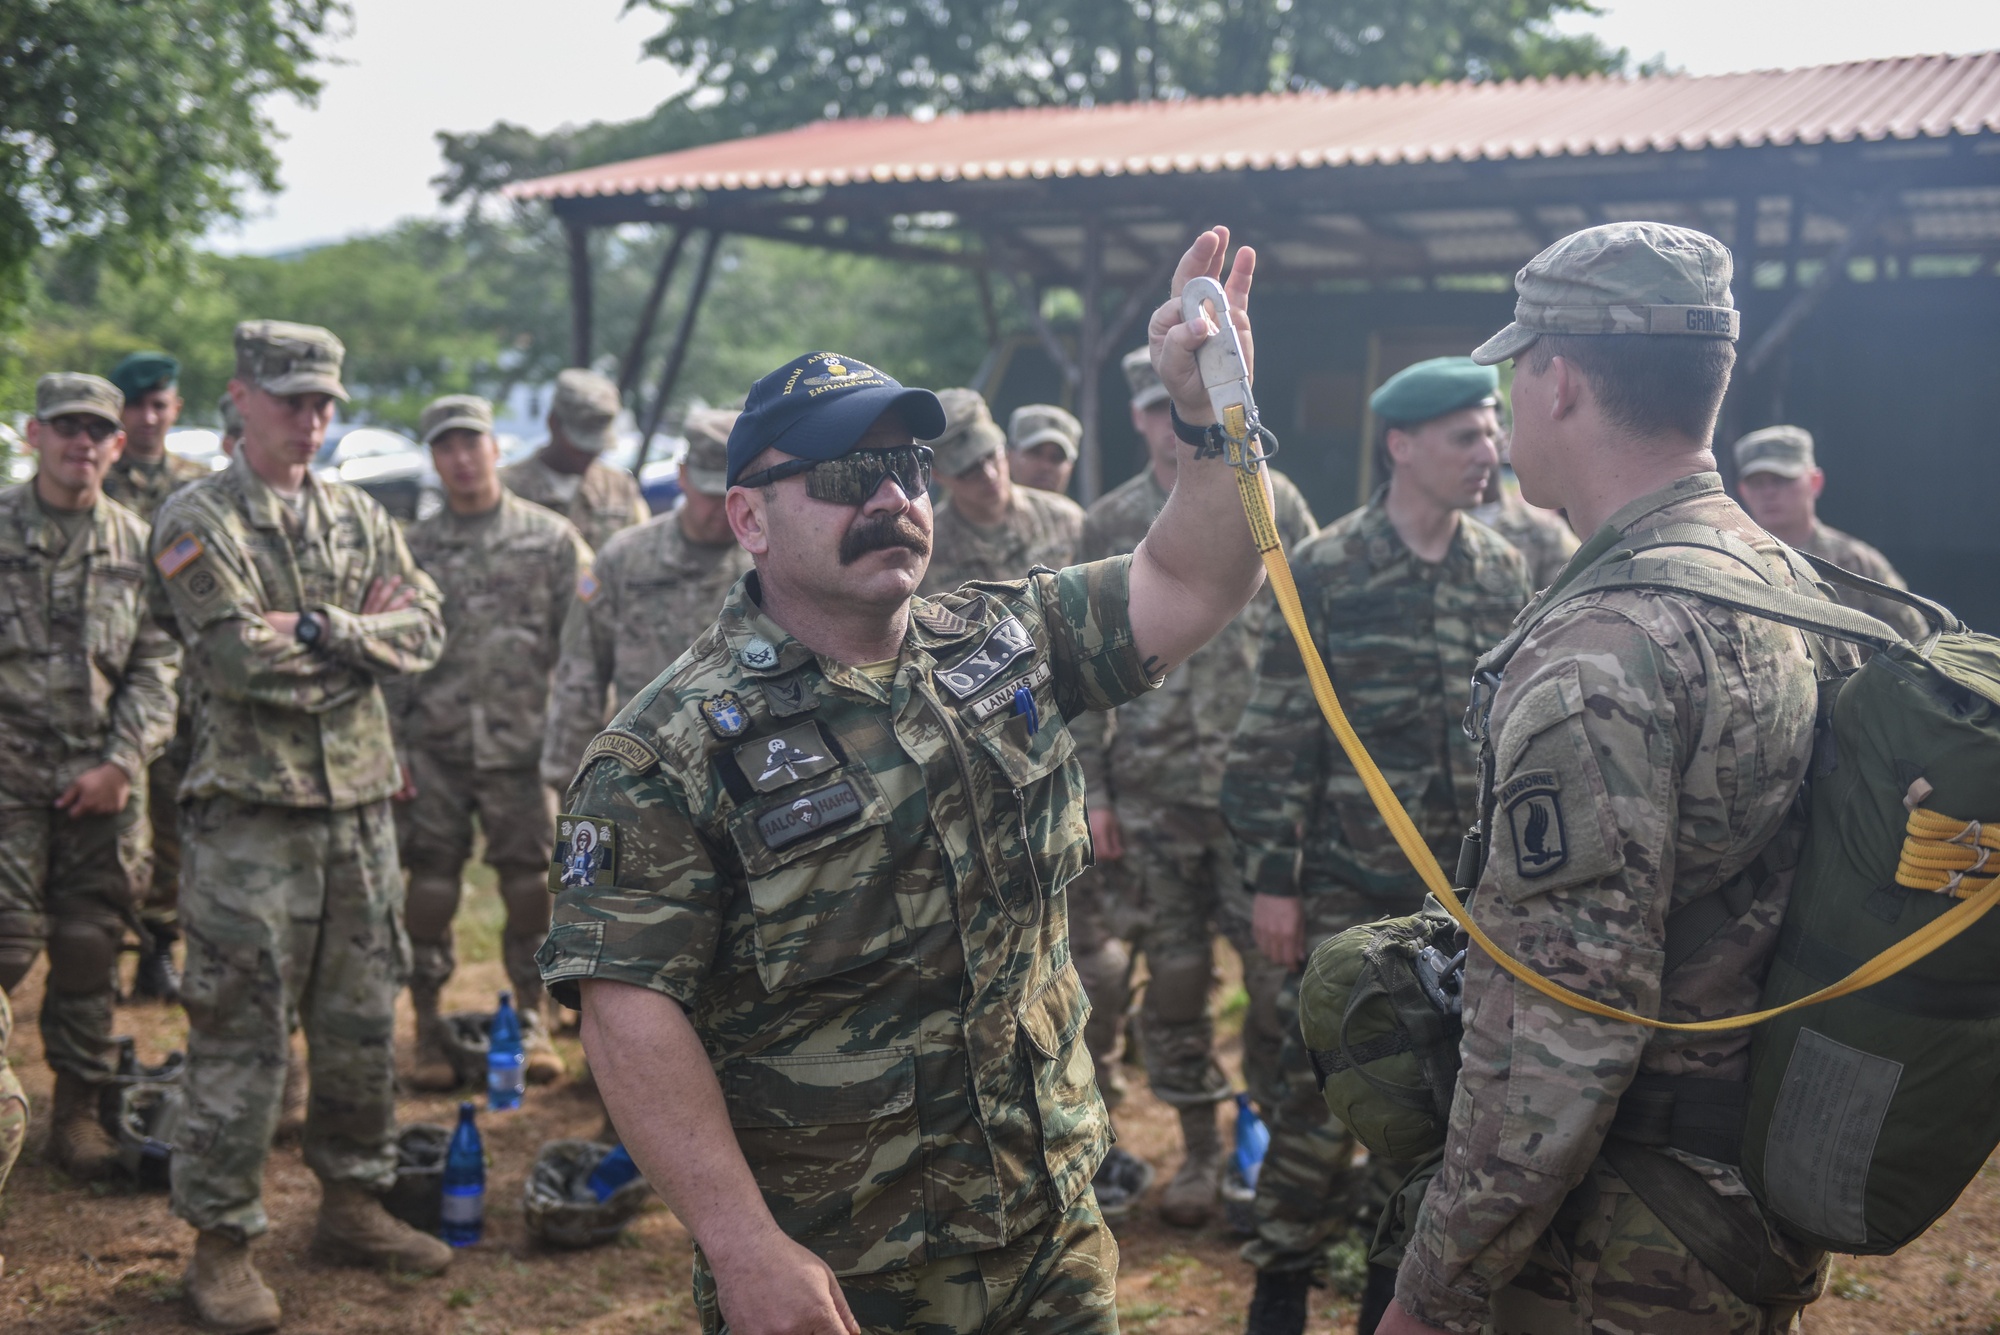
<point>231,415</point>
<point>586,409</point>
<point>1784,450</point>
<point>1620,278</point>
<point>707,462</point>
<point>1033,423</point>
<point>455,412</point>
<point>970,433</point>
<point>60,393</point>
<point>279,357</point>
<point>1147,391</point>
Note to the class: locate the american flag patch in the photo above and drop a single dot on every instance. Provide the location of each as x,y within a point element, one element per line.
<point>178,557</point>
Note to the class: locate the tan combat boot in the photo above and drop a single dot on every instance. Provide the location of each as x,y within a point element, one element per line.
<point>1190,1197</point>
<point>356,1230</point>
<point>431,1070</point>
<point>227,1292</point>
<point>78,1142</point>
<point>542,1065</point>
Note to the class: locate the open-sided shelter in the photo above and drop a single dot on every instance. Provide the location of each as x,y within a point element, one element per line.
<point>1862,202</point>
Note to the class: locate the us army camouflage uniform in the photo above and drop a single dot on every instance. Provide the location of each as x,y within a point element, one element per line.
<point>471,728</point>
<point>875,954</point>
<point>1542,537</point>
<point>601,501</point>
<point>292,894</point>
<point>140,487</point>
<point>1852,554</point>
<point>1399,636</point>
<point>651,595</point>
<point>1158,763</point>
<point>86,678</point>
<point>1040,529</point>
<point>1646,747</point>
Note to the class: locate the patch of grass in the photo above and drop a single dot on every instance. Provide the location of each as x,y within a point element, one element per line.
<point>482,917</point>
<point>1141,1316</point>
<point>1851,1286</point>
<point>1347,1265</point>
<point>458,1299</point>
<point>1235,1005</point>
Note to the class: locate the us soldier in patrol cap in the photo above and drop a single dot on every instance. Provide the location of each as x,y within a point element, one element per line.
<point>811,882</point>
<point>470,729</point>
<point>986,528</point>
<point>1042,442</point>
<point>569,475</point>
<point>1780,483</point>
<point>86,703</point>
<point>1645,747</point>
<point>1402,596</point>
<point>295,596</point>
<point>653,591</point>
<point>1154,772</point>
<point>144,475</point>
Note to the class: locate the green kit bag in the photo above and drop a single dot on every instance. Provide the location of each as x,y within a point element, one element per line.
<point>1869,1114</point>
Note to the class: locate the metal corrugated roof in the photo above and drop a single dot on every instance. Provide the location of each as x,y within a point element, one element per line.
<point>1905,98</point>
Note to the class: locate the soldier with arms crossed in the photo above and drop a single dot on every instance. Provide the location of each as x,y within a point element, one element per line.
<point>295,596</point>
<point>470,729</point>
<point>86,703</point>
<point>1645,747</point>
<point>818,919</point>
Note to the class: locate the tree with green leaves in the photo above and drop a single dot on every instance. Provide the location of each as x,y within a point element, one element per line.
<point>128,129</point>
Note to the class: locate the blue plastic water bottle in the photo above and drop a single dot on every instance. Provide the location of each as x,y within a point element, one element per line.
<point>1252,1139</point>
<point>506,1072</point>
<point>613,1171</point>
<point>463,1214</point>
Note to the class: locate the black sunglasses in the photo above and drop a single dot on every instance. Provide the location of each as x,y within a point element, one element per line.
<point>82,424</point>
<point>853,478</point>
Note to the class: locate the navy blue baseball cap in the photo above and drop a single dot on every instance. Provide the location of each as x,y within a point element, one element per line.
<point>817,406</point>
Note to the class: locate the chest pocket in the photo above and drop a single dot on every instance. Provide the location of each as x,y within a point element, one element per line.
<point>819,868</point>
<point>1370,661</point>
<point>1039,827</point>
<point>20,603</point>
<point>115,593</point>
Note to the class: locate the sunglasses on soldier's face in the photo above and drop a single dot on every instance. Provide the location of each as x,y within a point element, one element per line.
<point>853,478</point>
<point>80,424</point>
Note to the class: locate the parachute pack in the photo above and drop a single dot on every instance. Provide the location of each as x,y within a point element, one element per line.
<point>1874,1088</point>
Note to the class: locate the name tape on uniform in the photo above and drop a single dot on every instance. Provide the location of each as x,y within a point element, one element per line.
<point>808,815</point>
<point>986,706</point>
<point>1002,645</point>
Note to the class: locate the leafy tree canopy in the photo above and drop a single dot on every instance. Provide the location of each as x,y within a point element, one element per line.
<point>130,128</point>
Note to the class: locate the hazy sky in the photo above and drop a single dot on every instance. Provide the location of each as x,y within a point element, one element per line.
<point>364,157</point>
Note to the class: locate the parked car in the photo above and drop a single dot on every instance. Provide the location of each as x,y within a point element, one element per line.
<point>199,443</point>
<point>386,464</point>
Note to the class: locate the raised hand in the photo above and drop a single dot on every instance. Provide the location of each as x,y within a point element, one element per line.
<point>1174,341</point>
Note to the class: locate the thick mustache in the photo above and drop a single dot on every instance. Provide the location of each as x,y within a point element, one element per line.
<point>880,532</point>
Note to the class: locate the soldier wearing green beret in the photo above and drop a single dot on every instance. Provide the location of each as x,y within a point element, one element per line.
<point>296,596</point>
<point>144,475</point>
<point>987,527</point>
<point>1402,596</point>
<point>1643,747</point>
<point>86,703</point>
<point>1780,483</point>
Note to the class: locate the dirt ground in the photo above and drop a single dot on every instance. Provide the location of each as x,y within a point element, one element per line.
<point>108,1258</point>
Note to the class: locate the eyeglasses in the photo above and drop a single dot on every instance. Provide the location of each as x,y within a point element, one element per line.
<point>77,424</point>
<point>853,478</point>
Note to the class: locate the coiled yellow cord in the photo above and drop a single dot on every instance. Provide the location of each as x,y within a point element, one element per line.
<point>1953,857</point>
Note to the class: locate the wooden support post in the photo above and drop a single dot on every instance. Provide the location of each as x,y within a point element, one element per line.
<point>677,354</point>
<point>649,314</point>
<point>580,313</point>
<point>1090,358</point>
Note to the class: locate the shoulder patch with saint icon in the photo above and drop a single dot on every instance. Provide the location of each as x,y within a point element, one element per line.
<point>586,853</point>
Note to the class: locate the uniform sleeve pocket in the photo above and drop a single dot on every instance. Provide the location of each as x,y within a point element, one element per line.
<point>819,1089</point>
<point>1552,817</point>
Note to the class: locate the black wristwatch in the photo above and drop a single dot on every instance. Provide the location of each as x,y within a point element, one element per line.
<point>1196,436</point>
<point>310,629</point>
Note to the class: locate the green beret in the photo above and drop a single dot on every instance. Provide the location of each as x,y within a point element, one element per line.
<point>141,372</point>
<point>1433,388</point>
